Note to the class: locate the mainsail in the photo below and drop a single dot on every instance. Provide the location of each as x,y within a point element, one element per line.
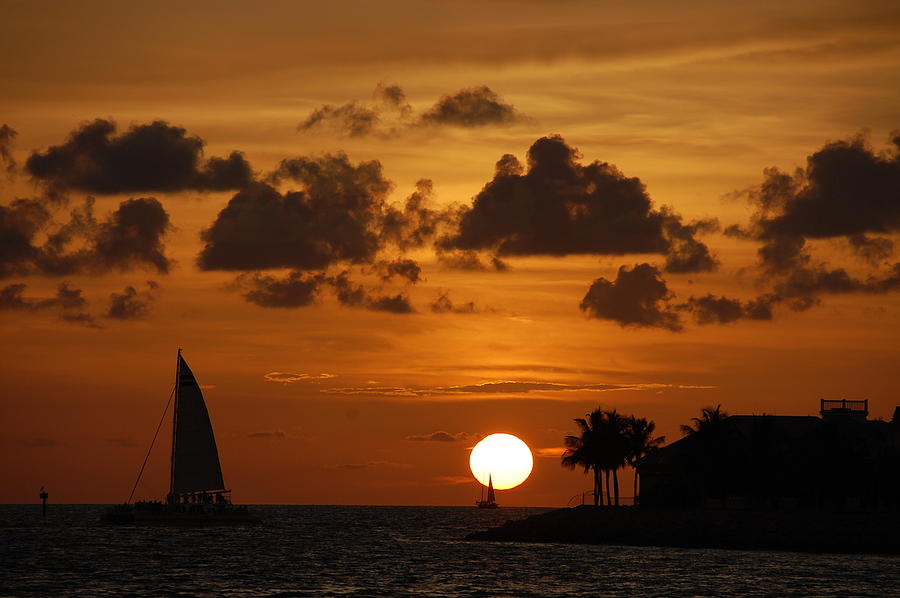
<point>195,459</point>
<point>490,496</point>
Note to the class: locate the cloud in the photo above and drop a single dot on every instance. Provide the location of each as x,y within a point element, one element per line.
<point>7,135</point>
<point>68,301</point>
<point>150,157</point>
<point>553,452</point>
<point>469,260</point>
<point>131,304</point>
<point>637,297</point>
<point>290,378</point>
<point>391,114</point>
<point>846,190</point>
<point>439,436</point>
<point>349,120</point>
<point>130,237</point>
<point>498,387</point>
<point>471,107</point>
<point>561,207</point>
<point>394,97</point>
<point>402,267</point>
<point>442,305</point>
<point>295,290</point>
<point>416,224</point>
<point>335,218</point>
<point>355,295</point>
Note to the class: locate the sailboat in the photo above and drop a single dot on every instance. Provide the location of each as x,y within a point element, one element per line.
<point>490,503</point>
<point>197,493</point>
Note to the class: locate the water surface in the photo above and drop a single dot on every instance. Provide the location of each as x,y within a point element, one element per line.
<point>389,551</point>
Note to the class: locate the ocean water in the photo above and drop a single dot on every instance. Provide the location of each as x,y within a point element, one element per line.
<point>389,551</point>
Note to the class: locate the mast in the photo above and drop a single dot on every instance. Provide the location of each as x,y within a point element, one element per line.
<point>174,427</point>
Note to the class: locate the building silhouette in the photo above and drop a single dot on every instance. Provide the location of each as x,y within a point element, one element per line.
<point>839,460</point>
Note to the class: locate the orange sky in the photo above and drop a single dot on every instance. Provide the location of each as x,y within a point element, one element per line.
<point>322,403</point>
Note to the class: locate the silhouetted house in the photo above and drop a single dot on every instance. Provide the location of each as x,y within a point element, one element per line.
<point>838,460</point>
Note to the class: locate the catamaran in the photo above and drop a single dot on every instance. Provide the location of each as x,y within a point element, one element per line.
<point>197,493</point>
<point>490,503</point>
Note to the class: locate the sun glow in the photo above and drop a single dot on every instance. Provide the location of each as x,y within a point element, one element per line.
<point>504,457</point>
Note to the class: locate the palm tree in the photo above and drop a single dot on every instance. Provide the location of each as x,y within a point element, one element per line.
<point>640,443</point>
<point>615,432</point>
<point>601,446</point>
<point>709,459</point>
<point>709,419</point>
<point>585,450</point>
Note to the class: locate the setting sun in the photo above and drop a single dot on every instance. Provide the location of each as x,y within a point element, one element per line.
<point>504,457</point>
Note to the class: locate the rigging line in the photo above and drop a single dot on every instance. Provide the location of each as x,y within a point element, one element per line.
<point>152,442</point>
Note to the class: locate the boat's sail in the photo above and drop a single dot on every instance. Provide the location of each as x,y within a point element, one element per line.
<point>490,496</point>
<point>195,459</point>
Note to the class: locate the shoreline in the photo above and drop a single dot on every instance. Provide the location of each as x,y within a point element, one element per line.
<point>847,532</point>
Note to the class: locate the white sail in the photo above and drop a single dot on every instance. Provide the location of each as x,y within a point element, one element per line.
<point>195,459</point>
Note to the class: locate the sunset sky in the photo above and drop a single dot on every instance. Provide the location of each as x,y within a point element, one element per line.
<point>381,231</point>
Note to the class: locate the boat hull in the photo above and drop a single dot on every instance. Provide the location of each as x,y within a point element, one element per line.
<point>179,515</point>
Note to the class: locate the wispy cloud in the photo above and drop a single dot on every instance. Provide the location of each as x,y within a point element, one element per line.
<point>439,436</point>
<point>550,452</point>
<point>501,387</point>
<point>290,377</point>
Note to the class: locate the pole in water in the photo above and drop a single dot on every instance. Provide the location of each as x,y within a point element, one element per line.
<point>43,496</point>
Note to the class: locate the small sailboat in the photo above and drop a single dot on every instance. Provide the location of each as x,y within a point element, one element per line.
<point>491,502</point>
<point>197,493</point>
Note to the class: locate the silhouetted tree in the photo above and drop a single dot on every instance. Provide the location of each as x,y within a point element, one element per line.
<point>586,450</point>
<point>615,432</point>
<point>710,418</point>
<point>640,442</point>
<point>708,455</point>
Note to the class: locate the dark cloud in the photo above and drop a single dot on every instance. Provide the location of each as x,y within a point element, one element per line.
<point>561,207</point>
<point>442,305</point>
<point>390,114</point>
<point>402,267</point>
<point>151,157</point>
<point>130,237</point>
<point>132,304</point>
<point>7,135</point>
<point>416,224</point>
<point>472,107</point>
<point>874,250</point>
<point>712,309</point>
<point>335,218</point>
<point>295,290</point>
<point>439,436</point>
<point>350,120</point>
<point>68,301</point>
<point>470,260</point>
<point>351,294</point>
<point>846,190</point>
<point>394,97</point>
<point>67,298</point>
<point>637,297</point>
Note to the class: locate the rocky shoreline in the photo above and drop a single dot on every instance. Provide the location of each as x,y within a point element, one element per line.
<point>803,531</point>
